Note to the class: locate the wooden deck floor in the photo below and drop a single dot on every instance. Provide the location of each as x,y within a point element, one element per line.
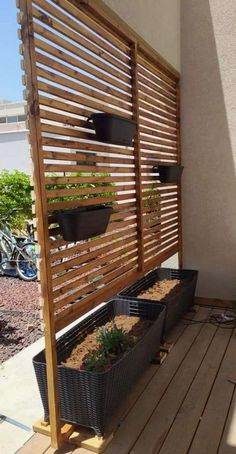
<point>186,405</point>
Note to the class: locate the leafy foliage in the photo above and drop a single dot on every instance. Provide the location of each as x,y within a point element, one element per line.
<point>112,342</point>
<point>82,186</point>
<point>15,198</point>
<point>95,361</point>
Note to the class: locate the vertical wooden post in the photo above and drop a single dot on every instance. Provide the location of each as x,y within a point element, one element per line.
<point>27,37</point>
<point>137,156</point>
<point>180,251</point>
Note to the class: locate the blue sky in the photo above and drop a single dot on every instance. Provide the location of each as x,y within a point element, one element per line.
<point>10,72</point>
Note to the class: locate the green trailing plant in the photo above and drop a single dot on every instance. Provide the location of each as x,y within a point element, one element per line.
<point>15,198</point>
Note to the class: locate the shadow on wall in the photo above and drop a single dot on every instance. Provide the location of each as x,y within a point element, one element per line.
<point>209,180</point>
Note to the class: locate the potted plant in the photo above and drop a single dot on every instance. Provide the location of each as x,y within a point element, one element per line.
<point>89,394</point>
<point>83,223</point>
<point>177,298</point>
<point>111,128</point>
<point>169,174</point>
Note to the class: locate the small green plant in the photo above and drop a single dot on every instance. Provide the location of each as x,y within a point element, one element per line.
<point>95,361</point>
<point>113,341</point>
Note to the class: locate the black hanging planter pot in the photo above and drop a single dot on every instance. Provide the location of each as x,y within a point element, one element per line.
<point>83,223</point>
<point>90,398</point>
<point>113,129</point>
<point>169,174</point>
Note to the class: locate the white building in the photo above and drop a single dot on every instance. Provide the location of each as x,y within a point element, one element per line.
<point>14,149</point>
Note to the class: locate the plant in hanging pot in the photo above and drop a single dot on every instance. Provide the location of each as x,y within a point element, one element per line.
<point>111,128</point>
<point>90,392</point>
<point>83,223</point>
<point>169,174</point>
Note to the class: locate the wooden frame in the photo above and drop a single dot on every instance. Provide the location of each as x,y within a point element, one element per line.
<point>80,58</point>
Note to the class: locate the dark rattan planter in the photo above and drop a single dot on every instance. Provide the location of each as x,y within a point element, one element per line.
<point>83,223</point>
<point>87,398</point>
<point>114,129</point>
<point>178,303</point>
<point>169,174</point>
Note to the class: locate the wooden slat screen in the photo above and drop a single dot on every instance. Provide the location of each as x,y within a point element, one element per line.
<point>82,68</point>
<point>158,125</point>
<point>78,61</point>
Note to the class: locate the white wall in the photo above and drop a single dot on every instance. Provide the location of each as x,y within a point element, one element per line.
<point>156,21</point>
<point>14,151</point>
<point>208,87</point>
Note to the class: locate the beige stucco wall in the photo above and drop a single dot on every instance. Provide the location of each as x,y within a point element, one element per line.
<point>157,21</point>
<point>208,44</point>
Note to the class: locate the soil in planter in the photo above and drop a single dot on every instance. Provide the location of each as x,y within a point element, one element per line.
<point>135,327</point>
<point>161,289</point>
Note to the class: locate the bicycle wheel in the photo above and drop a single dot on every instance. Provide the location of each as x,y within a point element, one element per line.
<point>26,262</point>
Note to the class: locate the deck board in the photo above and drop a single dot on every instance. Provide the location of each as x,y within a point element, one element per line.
<point>136,420</point>
<point>185,406</point>
<point>162,418</point>
<point>185,424</point>
<point>216,411</point>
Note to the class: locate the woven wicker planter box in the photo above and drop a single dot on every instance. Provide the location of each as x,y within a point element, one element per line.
<point>89,399</point>
<point>178,303</point>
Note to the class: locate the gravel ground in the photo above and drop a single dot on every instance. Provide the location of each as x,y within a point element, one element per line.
<point>19,316</point>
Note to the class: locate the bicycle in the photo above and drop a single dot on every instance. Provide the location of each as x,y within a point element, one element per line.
<point>17,253</point>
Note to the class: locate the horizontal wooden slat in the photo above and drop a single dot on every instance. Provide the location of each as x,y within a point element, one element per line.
<point>76,86</point>
<point>117,271</point>
<point>84,168</point>
<point>155,116</point>
<point>150,87</point>
<point>80,65</point>
<point>84,258</point>
<point>86,157</point>
<point>157,133</point>
<point>158,110</point>
<point>92,24</point>
<point>89,266</point>
<point>159,249</point>
<point>147,65</point>
<point>61,117</point>
<point>157,141</point>
<point>88,245</point>
<point>71,313</point>
<point>153,124</point>
<point>53,193</point>
<point>79,99</point>
<point>73,144</point>
<point>74,31</point>
<point>157,80</point>
<point>86,179</point>
<point>64,44</point>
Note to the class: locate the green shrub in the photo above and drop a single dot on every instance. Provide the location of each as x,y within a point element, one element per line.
<point>15,193</point>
